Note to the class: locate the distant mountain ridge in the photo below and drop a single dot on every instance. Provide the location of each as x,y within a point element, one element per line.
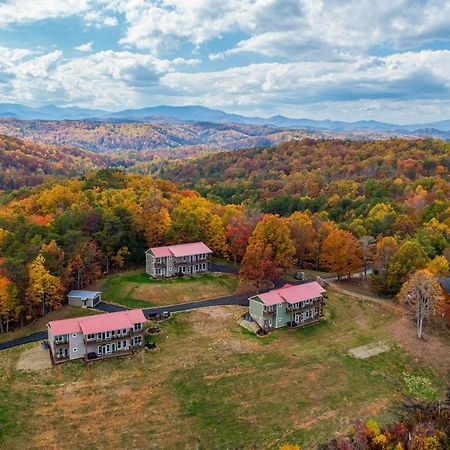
<point>195,113</point>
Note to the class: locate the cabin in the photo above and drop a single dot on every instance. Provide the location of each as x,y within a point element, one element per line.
<point>291,306</point>
<point>178,260</point>
<point>96,337</point>
<point>87,299</point>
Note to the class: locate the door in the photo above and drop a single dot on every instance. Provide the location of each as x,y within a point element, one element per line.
<point>297,318</point>
<point>270,323</point>
<point>113,347</point>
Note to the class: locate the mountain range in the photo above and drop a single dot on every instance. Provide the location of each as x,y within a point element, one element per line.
<point>194,113</point>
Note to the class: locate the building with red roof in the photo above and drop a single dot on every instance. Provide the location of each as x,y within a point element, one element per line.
<point>175,260</point>
<point>97,336</point>
<point>291,305</point>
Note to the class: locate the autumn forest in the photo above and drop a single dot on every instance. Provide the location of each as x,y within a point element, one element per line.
<point>339,206</point>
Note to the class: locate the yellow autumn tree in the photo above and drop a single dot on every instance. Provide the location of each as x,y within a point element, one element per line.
<point>44,289</point>
<point>156,224</point>
<point>216,236</point>
<point>439,266</point>
<point>10,307</point>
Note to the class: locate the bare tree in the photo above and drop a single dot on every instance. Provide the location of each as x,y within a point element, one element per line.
<point>423,297</point>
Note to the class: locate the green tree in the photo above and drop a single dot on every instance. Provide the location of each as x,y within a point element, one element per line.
<point>409,258</point>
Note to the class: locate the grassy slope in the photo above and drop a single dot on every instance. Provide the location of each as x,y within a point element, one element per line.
<point>65,312</point>
<point>138,290</point>
<point>213,385</point>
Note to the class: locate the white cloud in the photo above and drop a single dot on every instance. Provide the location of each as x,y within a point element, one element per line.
<point>108,79</point>
<point>292,29</point>
<point>409,76</point>
<point>99,19</point>
<point>12,11</point>
<point>84,47</point>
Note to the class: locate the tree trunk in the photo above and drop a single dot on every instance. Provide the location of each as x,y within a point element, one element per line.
<point>234,260</point>
<point>419,327</point>
<point>43,308</point>
<point>1,325</point>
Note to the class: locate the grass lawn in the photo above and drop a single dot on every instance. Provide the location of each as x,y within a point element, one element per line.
<point>65,312</point>
<point>213,385</point>
<point>138,290</point>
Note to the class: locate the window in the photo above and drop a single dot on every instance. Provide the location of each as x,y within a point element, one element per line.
<point>279,319</point>
<point>124,331</point>
<point>100,350</point>
<point>137,326</point>
<point>119,345</point>
<point>74,334</point>
<point>74,349</point>
<point>90,336</point>
<point>306,314</point>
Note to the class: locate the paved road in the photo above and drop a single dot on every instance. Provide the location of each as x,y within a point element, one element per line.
<point>109,307</point>
<point>241,299</point>
<point>34,337</point>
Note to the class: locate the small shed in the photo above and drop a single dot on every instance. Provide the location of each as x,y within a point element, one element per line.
<point>84,298</point>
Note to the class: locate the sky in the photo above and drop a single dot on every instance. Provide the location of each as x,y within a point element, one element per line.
<point>386,60</point>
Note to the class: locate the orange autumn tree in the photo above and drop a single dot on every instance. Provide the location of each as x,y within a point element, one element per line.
<point>341,253</point>
<point>273,231</point>
<point>302,233</point>
<point>258,264</point>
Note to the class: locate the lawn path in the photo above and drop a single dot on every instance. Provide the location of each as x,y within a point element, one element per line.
<point>385,303</point>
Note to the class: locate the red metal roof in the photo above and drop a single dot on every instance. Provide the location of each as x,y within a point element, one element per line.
<point>292,294</point>
<point>160,252</point>
<point>98,323</point>
<point>65,326</point>
<point>194,248</point>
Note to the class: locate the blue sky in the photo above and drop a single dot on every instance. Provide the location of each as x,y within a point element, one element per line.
<point>348,60</point>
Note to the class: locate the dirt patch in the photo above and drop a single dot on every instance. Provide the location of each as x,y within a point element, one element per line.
<point>215,320</point>
<point>35,359</point>
<point>367,351</point>
<point>432,350</point>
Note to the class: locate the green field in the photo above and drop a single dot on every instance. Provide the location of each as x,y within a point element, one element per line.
<point>213,385</point>
<point>138,290</point>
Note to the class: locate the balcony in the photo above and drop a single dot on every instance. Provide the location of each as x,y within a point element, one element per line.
<point>269,312</point>
<point>305,322</point>
<point>300,306</point>
<point>64,340</point>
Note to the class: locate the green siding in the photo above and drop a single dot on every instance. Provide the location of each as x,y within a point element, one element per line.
<point>283,315</point>
<point>256,309</point>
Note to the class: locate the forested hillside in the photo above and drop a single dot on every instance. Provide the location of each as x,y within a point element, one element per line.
<point>345,179</point>
<point>24,163</point>
<point>102,136</point>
